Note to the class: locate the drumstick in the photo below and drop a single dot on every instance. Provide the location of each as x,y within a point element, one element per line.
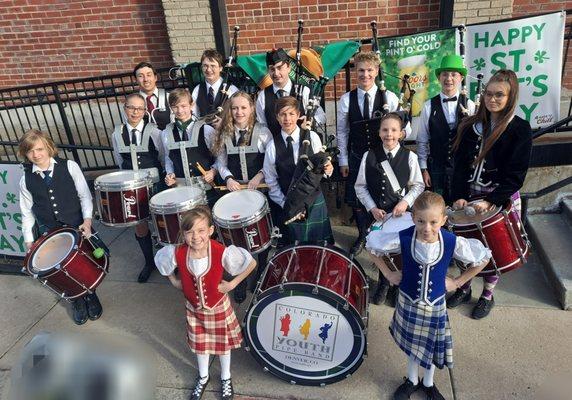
<point>202,171</point>
<point>242,186</point>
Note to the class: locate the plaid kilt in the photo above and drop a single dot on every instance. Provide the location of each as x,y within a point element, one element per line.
<point>478,190</point>
<point>316,227</point>
<point>423,332</point>
<point>215,331</point>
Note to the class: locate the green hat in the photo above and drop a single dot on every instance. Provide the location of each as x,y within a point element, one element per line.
<point>452,62</point>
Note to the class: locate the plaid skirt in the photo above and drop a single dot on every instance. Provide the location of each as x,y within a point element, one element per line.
<point>423,332</point>
<point>215,331</point>
<point>316,227</point>
<point>477,190</point>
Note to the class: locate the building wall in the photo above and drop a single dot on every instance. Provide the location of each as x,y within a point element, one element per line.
<point>48,40</point>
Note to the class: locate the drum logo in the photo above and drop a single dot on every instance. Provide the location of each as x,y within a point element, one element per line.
<point>127,203</point>
<point>250,235</point>
<point>305,334</point>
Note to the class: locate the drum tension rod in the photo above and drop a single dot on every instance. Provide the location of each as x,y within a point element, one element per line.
<point>513,237</point>
<point>480,227</point>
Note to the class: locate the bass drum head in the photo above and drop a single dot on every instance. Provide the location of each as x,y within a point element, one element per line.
<point>52,252</point>
<point>239,206</point>
<point>303,337</point>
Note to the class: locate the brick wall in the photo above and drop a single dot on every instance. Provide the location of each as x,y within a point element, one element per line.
<point>268,24</point>
<point>471,12</point>
<point>47,40</point>
<point>190,28</point>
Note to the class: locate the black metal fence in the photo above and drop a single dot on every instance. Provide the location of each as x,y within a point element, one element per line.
<point>78,114</point>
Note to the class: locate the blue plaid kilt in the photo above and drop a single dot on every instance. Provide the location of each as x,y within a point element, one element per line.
<point>423,332</point>
<point>316,227</point>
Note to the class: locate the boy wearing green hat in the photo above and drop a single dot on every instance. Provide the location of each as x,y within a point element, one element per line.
<point>437,126</point>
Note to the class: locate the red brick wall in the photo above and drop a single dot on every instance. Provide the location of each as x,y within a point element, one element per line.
<point>268,24</point>
<point>530,7</point>
<point>48,40</point>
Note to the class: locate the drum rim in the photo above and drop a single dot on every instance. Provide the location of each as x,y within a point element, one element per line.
<point>172,208</point>
<point>145,181</point>
<point>298,379</point>
<point>486,222</point>
<point>237,223</point>
<point>38,243</point>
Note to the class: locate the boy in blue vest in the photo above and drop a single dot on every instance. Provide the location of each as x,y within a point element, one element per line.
<point>420,325</point>
<point>54,193</point>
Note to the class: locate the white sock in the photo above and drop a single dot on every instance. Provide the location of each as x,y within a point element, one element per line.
<point>203,361</point>
<point>413,370</point>
<point>428,377</point>
<point>224,366</point>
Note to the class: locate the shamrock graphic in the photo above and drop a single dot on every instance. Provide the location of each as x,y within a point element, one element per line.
<point>540,56</point>
<point>11,197</point>
<point>479,64</point>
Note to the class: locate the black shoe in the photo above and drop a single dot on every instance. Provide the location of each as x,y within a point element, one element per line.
<point>357,247</point>
<point>79,311</point>
<point>240,292</point>
<point>94,308</point>
<point>432,393</point>
<point>483,308</point>
<point>380,292</point>
<point>392,294</point>
<point>405,390</point>
<point>227,389</point>
<point>145,274</point>
<point>458,298</point>
<point>199,388</point>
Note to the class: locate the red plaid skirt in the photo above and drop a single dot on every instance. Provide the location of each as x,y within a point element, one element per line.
<point>215,331</point>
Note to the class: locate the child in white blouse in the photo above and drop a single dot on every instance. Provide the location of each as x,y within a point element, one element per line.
<point>212,326</point>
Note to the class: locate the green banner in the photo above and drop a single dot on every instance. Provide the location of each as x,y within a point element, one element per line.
<point>418,56</point>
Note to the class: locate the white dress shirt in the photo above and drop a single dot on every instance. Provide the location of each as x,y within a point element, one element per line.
<point>216,86</point>
<point>26,201</point>
<point>155,136</point>
<point>343,124</point>
<point>415,183</point>
<point>270,174</point>
<point>450,111</point>
<point>319,117</point>
<point>264,137</point>
<point>209,140</point>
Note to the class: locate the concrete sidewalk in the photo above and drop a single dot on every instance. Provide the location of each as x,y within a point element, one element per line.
<point>520,351</point>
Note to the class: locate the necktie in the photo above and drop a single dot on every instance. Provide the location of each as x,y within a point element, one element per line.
<point>47,177</point>
<point>289,148</point>
<point>389,156</point>
<point>366,106</point>
<point>150,105</point>
<point>454,98</point>
<point>280,93</point>
<point>134,137</point>
<point>241,138</point>
<point>210,96</point>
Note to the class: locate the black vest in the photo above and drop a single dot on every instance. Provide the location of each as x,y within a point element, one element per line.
<point>200,154</point>
<point>361,138</point>
<point>254,163</point>
<point>161,118</point>
<point>149,159</point>
<point>269,112</point>
<point>57,204</point>
<point>377,182</point>
<point>203,102</point>
<point>441,136</point>
<point>285,167</point>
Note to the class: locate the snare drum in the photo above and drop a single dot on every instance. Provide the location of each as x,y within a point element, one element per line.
<point>168,207</point>
<point>63,261</point>
<point>386,232</point>
<point>308,319</point>
<point>501,230</point>
<point>123,197</point>
<point>243,219</point>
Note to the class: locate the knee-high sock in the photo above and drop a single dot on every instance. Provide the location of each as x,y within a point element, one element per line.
<point>361,217</point>
<point>428,377</point>
<point>413,370</point>
<point>224,366</point>
<point>146,245</point>
<point>466,286</point>
<point>489,286</point>
<point>203,361</point>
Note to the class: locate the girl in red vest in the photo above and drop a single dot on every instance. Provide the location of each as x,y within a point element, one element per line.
<point>212,326</point>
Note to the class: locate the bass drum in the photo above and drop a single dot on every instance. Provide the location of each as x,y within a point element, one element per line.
<point>307,322</point>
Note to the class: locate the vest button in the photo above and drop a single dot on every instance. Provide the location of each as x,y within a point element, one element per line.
<point>52,198</point>
<point>54,204</point>
<point>383,187</point>
<point>430,290</point>
<point>51,191</point>
<point>418,289</point>
<point>419,282</point>
<point>55,212</point>
<point>420,274</point>
<point>430,283</point>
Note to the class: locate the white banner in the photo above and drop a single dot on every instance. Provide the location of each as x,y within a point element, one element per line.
<point>532,48</point>
<point>11,239</point>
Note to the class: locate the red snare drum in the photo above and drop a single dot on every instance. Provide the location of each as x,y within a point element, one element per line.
<point>243,219</point>
<point>123,197</point>
<point>63,261</point>
<point>168,207</point>
<point>308,318</point>
<point>501,230</point>
<point>383,239</point>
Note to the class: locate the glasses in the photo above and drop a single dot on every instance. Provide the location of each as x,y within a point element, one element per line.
<point>133,108</point>
<point>497,95</point>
